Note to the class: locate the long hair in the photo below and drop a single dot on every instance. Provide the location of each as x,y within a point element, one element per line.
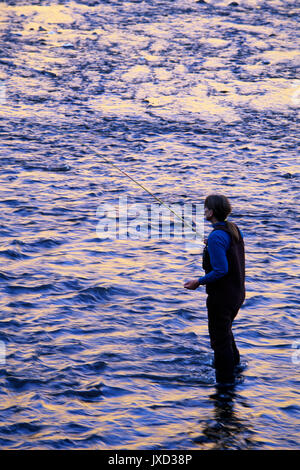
<point>221,208</point>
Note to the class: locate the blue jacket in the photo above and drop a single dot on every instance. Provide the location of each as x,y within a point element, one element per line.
<point>217,244</point>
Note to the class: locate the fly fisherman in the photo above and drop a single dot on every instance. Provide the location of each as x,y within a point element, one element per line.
<point>224,266</point>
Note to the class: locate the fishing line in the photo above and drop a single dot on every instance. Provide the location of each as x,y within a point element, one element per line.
<point>148,191</point>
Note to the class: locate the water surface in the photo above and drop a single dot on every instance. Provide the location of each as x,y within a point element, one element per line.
<point>104,347</point>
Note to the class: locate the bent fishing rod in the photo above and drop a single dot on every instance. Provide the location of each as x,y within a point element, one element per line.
<point>145,189</point>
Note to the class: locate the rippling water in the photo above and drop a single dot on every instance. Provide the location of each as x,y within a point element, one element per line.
<point>105,349</point>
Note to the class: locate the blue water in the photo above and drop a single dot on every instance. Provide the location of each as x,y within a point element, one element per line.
<point>104,348</point>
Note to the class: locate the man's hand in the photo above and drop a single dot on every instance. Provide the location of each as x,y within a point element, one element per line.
<point>192,285</point>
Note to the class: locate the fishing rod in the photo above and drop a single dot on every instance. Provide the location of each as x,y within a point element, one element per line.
<point>147,190</point>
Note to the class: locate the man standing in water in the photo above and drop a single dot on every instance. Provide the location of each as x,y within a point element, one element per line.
<point>224,266</point>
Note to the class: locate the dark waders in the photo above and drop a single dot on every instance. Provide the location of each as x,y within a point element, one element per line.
<point>226,354</point>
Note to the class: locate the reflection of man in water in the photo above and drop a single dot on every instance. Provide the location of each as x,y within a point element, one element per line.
<point>224,265</point>
<point>226,429</point>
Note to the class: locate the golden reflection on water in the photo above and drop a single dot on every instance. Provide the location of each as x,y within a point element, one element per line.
<point>43,14</point>
<point>196,99</point>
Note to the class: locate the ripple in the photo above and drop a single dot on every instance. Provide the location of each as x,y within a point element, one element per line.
<point>18,383</point>
<point>21,289</point>
<point>13,254</point>
<point>93,294</point>
<point>21,428</point>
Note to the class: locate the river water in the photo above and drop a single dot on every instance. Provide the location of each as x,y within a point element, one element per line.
<point>101,346</point>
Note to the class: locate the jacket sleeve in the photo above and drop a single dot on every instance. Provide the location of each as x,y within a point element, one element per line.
<point>218,244</point>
